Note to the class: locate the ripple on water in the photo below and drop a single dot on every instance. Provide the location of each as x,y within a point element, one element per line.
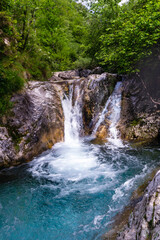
<point>71,192</point>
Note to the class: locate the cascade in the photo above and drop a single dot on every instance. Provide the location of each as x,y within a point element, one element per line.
<point>112,109</point>
<point>71,104</point>
<point>115,106</point>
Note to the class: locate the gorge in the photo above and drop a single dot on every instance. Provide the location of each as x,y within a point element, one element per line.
<point>75,188</point>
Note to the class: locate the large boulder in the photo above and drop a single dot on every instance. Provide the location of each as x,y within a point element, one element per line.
<point>34,124</point>
<point>140,114</point>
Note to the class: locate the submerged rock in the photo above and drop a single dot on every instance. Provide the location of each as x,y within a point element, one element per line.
<point>34,124</point>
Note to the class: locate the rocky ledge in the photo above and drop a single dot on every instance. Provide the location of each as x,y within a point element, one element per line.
<point>33,125</point>
<point>95,87</point>
<point>144,221</point>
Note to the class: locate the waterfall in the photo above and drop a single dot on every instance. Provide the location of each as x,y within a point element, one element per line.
<point>114,117</point>
<point>102,116</point>
<point>72,109</point>
<point>72,103</point>
<point>113,109</point>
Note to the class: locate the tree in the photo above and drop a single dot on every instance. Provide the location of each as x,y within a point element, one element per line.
<point>129,36</point>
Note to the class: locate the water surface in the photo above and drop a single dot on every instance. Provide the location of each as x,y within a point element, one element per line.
<point>71,192</point>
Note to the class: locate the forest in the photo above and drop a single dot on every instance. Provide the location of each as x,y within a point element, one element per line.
<point>39,37</point>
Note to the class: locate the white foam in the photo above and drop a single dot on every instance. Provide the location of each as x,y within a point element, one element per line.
<point>73,116</point>
<point>128,185</point>
<point>73,166</point>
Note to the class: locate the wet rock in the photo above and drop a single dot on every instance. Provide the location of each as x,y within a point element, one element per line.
<point>91,92</point>
<point>97,90</point>
<point>144,221</point>
<point>34,124</point>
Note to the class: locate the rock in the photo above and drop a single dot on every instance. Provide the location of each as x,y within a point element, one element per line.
<point>97,70</point>
<point>140,116</point>
<point>144,222</point>
<point>36,121</point>
<point>84,72</point>
<point>96,93</point>
<point>92,93</point>
<point>7,151</point>
<point>67,74</point>
<point>34,124</point>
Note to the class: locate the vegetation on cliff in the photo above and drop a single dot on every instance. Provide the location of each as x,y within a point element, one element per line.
<point>39,37</point>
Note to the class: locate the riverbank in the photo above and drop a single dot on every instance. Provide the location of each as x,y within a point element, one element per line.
<point>122,219</point>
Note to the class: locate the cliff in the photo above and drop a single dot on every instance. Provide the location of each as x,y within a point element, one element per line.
<point>140,114</point>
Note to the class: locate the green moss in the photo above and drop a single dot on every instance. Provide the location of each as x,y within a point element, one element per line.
<point>112,82</point>
<point>136,122</point>
<point>28,140</point>
<point>16,137</point>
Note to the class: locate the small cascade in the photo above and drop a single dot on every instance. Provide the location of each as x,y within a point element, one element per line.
<point>73,124</point>
<point>113,109</point>
<point>102,116</point>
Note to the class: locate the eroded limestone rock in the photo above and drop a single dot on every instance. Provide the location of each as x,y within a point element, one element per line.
<point>34,124</point>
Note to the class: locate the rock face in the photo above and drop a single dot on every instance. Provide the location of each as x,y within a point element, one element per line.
<point>140,114</point>
<point>96,93</point>
<point>36,121</point>
<point>34,125</point>
<point>94,90</point>
<point>144,221</point>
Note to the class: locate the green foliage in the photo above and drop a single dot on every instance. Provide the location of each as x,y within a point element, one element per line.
<point>83,62</point>
<point>38,37</point>
<point>102,13</point>
<point>10,82</point>
<point>53,29</point>
<point>130,34</point>
<point>8,36</point>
